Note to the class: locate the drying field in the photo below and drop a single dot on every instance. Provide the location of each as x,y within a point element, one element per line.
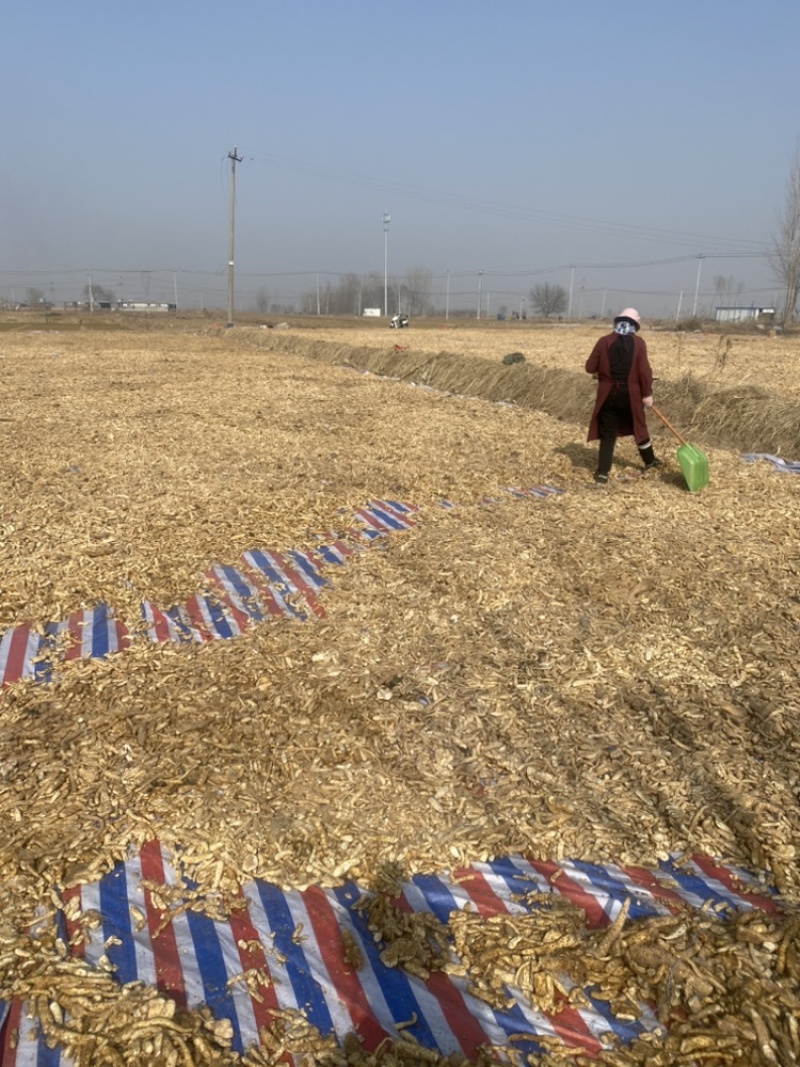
<point>605,675</point>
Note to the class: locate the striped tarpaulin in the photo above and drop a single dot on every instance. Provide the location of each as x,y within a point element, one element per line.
<point>295,939</point>
<point>264,584</point>
<point>30,651</point>
<point>785,466</point>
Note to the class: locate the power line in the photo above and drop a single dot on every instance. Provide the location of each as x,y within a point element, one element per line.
<point>538,215</point>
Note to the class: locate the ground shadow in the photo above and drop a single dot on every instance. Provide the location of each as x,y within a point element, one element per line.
<point>584,457</point>
<point>581,456</point>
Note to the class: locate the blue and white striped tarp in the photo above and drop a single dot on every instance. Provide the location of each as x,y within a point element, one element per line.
<point>785,466</point>
<point>294,940</point>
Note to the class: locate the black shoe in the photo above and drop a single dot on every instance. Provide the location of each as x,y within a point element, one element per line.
<point>601,479</point>
<point>652,466</point>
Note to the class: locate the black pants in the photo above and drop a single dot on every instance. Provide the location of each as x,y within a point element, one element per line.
<point>616,408</point>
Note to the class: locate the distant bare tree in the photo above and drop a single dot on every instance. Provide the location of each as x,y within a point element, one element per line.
<point>98,293</point>
<point>262,300</point>
<point>722,285</point>
<point>418,286</point>
<point>784,253</point>
<point>349,297</point>
<point>372,290</point>
<point>35,296</point>
<point>549,299</point>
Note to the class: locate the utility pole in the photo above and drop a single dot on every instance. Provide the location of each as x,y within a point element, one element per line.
<point>697,285</point>
<point>386,221</point>
<point>317,294</point>
<point>480,291</point>
<point>678,312</point>
<point>91,295</point>
<point>571,282</point>
<point>234,160</point>
<point>175,288</point>
<point>447,299</point>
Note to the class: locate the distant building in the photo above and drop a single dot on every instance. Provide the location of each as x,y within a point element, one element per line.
<point>372,313</point>
<point>740,314</point>
<point>133,305</point>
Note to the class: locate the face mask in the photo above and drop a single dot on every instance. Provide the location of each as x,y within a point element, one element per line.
<point>624,327</point>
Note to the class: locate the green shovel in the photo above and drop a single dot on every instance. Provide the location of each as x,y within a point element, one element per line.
<point>693,462</point>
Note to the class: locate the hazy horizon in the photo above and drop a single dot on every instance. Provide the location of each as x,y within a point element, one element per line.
<point>507,148</point>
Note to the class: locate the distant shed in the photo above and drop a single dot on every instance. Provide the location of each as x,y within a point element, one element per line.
<point>151,306</point>
<point>741,314</point>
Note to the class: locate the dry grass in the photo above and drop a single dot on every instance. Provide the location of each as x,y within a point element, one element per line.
<point>727,360</point>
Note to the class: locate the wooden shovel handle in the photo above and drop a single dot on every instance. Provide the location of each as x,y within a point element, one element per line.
<point>668,424</point>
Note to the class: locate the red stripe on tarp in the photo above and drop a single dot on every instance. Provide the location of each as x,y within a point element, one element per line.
<point>169,973</point>
<point>197,619</point>
<point>565,887</point>
<point>567,1023</point>
<point>260,582</point>
<point>72,927</point>
<point>399,516</point>
<point>308,591</point>
<point>10,1034</point>
<point>573,1031</point>
<point>157,622</point>
<point>481,893</point>
<point>464,1027</point>
<point>253,956</point>
<point>343,548</point>
<point>648,881</point>
<point>373,521</point>
<point>241,619</point>
<point>345,980</point>
<point>729,880</point>
<point>17,652</point>
<point>124,639</point>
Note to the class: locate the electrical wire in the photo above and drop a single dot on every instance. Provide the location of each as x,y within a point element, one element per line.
<point>533,215</point>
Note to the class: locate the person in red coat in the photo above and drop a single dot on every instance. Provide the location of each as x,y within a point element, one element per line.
<point>624,389</point>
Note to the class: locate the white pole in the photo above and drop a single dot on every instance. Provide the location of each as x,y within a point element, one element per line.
<point>678,312</point>
<point>234,158</point>
<point>571,280</point>
<point>480,287</point>
<point>91,295</point>
<point>386,221</point>
<point>603,308</point>
<point>697,285</point>
<point>175,287</point>
<point>447,299</point>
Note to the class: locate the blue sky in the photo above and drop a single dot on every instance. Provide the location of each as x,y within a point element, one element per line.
<point>504,137</point>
